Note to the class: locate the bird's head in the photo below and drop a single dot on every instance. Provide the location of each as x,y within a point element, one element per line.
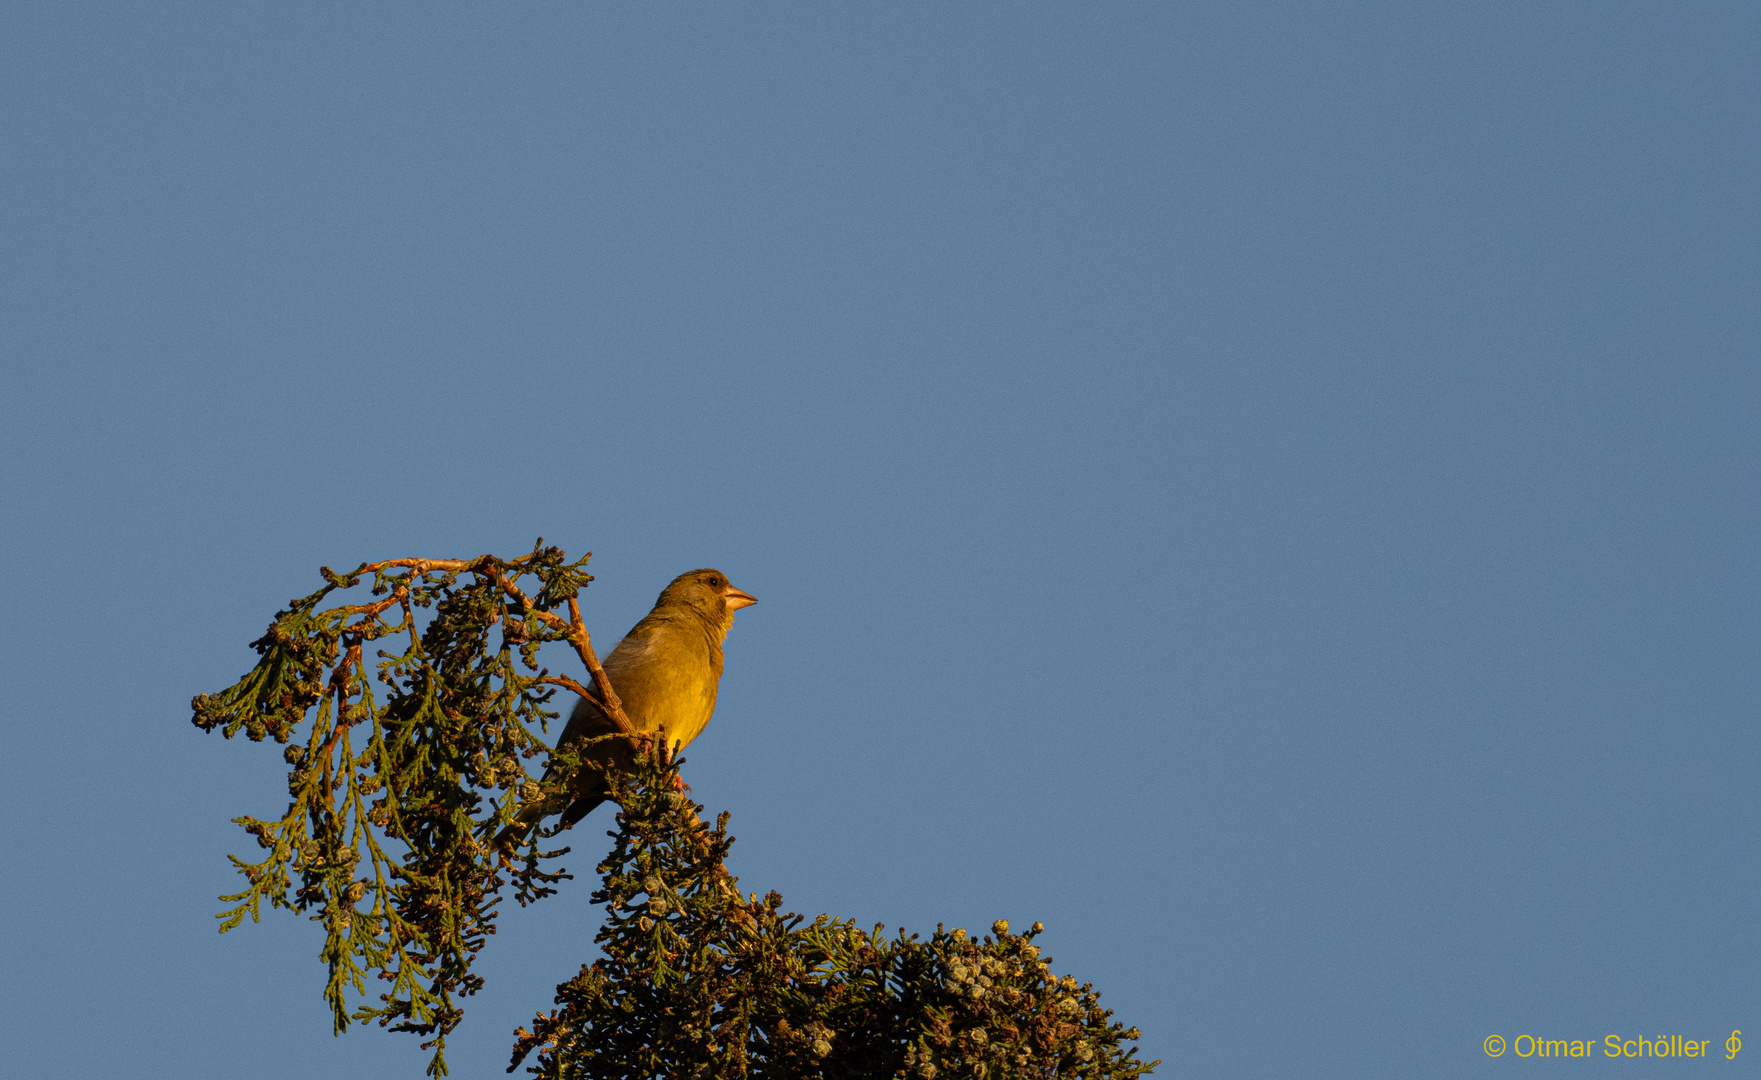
<point>708,591</point>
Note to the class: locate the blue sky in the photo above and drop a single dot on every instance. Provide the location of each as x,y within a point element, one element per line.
<point>1267,489</point>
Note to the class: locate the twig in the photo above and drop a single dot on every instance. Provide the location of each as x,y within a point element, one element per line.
<point>576,632</point>
<point>421,566</point>
<point>574,627</point>
<point>584,646</point>
<point>569,684</point>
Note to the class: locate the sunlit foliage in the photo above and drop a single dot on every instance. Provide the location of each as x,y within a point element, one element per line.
<point>402,772</point>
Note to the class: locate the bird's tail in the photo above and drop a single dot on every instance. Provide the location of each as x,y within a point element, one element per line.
<point>509,838</point>
<point>580,808</point>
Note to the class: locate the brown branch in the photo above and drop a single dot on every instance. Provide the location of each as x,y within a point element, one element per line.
<point>573,628</point>
<point>569,684</point>
<point>576,632</point>
<point>371,612</point>
<point>422,566</point>
<point>584,646</point>
<point>641,742</point>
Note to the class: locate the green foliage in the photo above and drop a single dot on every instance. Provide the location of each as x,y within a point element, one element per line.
<point>451,722</point>
<point>392,850</point>
<point>697,980</point>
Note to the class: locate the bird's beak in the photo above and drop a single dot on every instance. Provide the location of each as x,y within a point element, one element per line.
<point>737,599</point>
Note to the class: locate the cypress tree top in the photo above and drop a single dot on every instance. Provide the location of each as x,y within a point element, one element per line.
<point>390,845</point>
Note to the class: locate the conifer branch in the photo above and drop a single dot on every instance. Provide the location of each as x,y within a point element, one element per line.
<point>694,979</point>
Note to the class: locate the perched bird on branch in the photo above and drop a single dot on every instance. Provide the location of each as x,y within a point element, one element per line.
<point>665,673</point>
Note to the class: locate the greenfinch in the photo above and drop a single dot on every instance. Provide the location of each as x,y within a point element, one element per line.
<point>665,672</point>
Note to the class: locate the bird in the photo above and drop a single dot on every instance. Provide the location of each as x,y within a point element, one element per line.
<point>665,672</point>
